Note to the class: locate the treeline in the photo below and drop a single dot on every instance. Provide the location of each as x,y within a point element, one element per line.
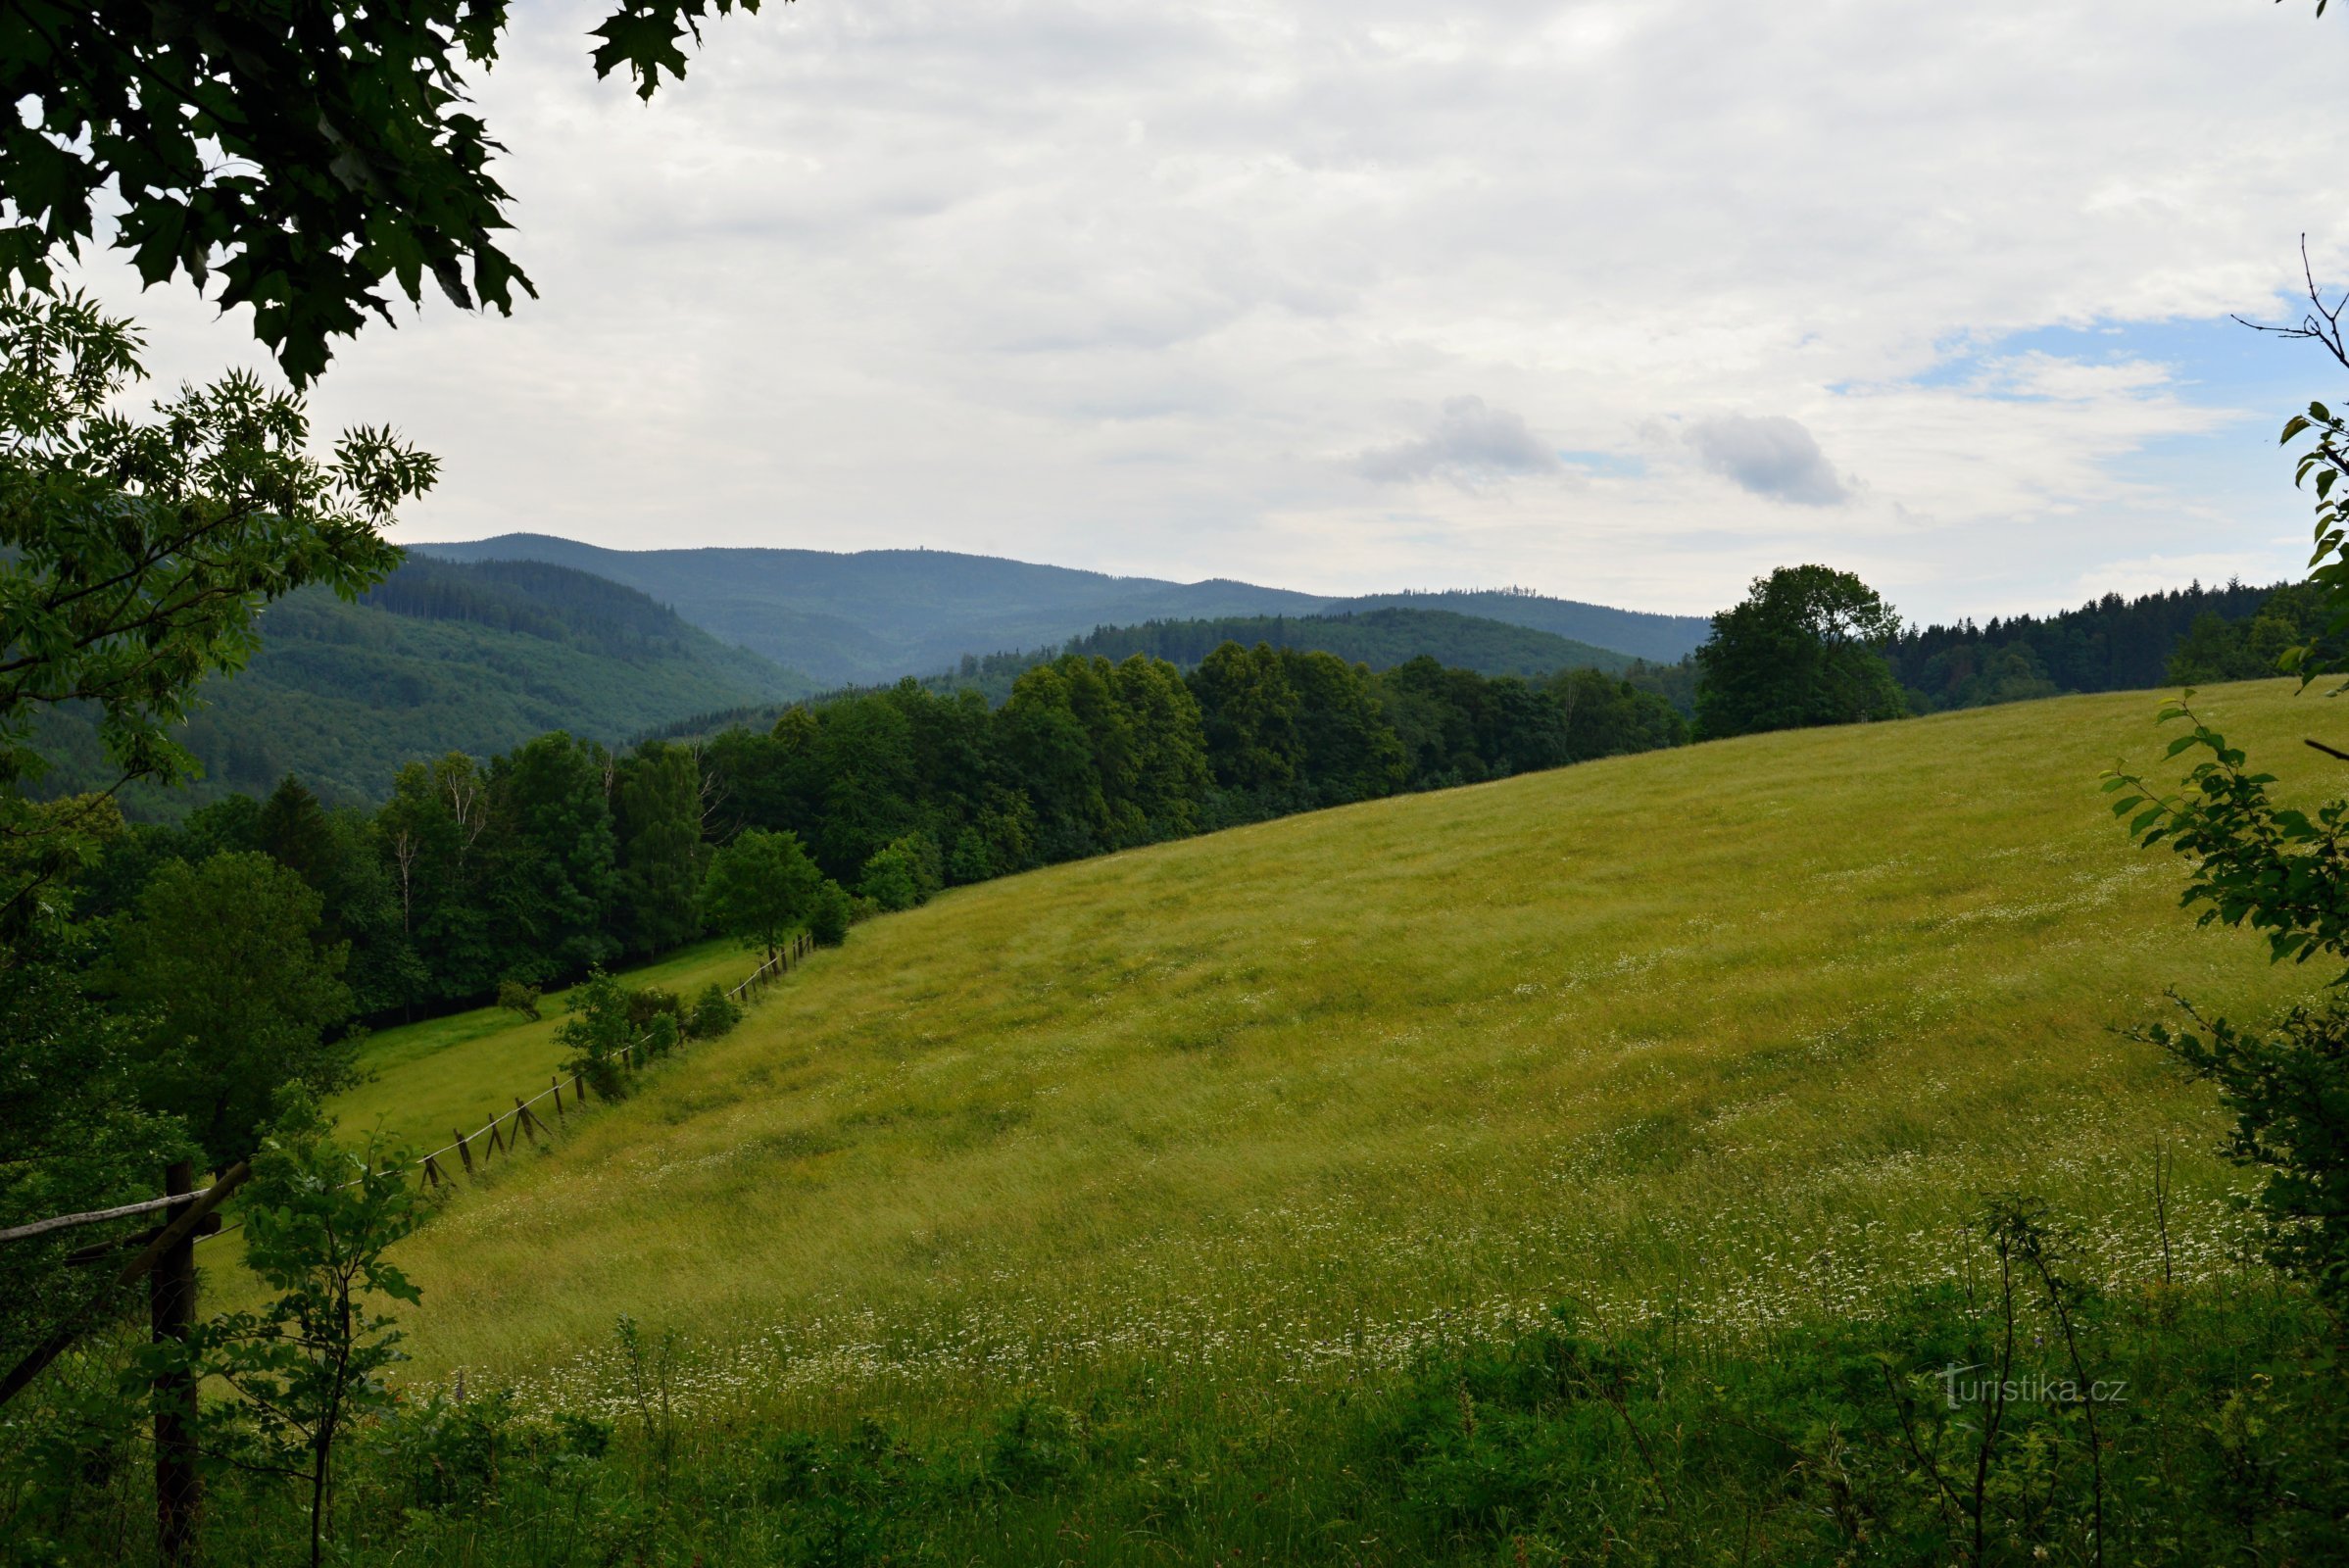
<point>562,854</point>
<point>1379,638</point>
<point>2107,644</point>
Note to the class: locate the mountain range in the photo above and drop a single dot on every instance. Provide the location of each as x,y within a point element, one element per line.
<point>874,616</point>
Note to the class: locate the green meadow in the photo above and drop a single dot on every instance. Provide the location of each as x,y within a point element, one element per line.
<point>1705,1041</point>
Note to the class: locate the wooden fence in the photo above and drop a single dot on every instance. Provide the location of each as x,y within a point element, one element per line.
<point>166,1259</point>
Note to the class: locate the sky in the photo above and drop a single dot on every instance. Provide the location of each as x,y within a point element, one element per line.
<point>1624,302</point>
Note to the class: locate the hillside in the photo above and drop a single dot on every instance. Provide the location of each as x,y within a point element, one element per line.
<point>1379,638</point>
<point>878,615</point>
<point>1724,1033</point>
<point>442,657</point>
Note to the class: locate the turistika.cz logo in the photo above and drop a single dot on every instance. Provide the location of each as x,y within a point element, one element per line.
<point>2031,1388</point>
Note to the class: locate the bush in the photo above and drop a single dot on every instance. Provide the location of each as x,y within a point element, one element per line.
<point>905,872</point>
<point>714,1014</point>
<point>515,997</point>
<point>662,1034</point>
<point>829,924</point>
<point>597,1033</point>
<point>650,1003</point>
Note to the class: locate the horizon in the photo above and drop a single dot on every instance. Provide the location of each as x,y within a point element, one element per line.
<point>1631,303</point>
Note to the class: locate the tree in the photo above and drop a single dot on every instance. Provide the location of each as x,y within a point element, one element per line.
<point>76,1134</point>
<point>596,1032</point>
<point>761,888</point>
<point>318,1220</point>
<point>829,921</point>
<point>221,958</point>
<point>555,877</point>
<point>1802,650</point>
<point>135,555</point>
<point>656,817</point>
<point>1248,711</point>
<point>307,154</point>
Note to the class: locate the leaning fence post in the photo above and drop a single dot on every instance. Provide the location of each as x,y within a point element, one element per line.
<point>465,1151</point>
<point>558,1083</point>
<point>170,1309</point>
<point>521,1114</point>
<point>431,1172</point>
<point>579,1087</point>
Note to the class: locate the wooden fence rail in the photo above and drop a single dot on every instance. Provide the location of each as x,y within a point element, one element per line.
<point>166,1259</point>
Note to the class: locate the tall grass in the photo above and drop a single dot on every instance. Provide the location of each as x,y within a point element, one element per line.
<point>1718,1039</point>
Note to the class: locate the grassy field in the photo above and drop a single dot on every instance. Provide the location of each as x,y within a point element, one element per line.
<point>426,1081</point>
<point>1713,1038</point>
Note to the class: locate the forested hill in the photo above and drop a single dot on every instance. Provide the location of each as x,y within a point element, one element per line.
<point>874,616</point>
<point>442,657</point>
<point>2107,644</point>
<point>1379,638</point>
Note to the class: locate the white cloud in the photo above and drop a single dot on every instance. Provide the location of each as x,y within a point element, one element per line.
<point>1108,285</point>
<point>1772,456</point>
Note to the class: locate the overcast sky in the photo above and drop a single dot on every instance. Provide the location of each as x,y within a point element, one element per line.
<point>1626,302</point>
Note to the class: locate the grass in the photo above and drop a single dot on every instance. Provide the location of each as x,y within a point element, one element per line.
<point>423,1082</point>
<point>1712,1040</point>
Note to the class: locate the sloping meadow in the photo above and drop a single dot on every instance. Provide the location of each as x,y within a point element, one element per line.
<point>1715,1039</point>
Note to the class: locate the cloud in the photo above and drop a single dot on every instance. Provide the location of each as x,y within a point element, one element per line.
<point>1470,442</point>
<point>1108,285</point>
<point>1772,456</point>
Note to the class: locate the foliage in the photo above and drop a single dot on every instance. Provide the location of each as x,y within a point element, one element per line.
<point>318,1222</point>
<point>903,872</point>
<point>1803,649</point>
<point>2194,1426</point>
<point>556,873</point>
<point>307,155</point>
<point>648,1002</point>
<point>829,921</point>
<point>135,555</point>
<point>516,997</point>
<point>74,1134</point>
<point>2283,873</point>
<point>1379,638</point>
<point>2215,649</point>
<point>761,888</point>
<point>597,1034</point>
<point>656,817</point>
<point>2110,644</point>
<point>662,1034</point>
<point>224,963</point>
<point>714,1014</point>
<point>474,658</point>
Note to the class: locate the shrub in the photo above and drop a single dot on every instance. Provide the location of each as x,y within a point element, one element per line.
<point>905,872</point>
<point>714,1014</point>
<point>829,924</point>
<point>515,997</point>
<point>597,1033</point>
<point>650,1003</point>
<point>661,1035</point>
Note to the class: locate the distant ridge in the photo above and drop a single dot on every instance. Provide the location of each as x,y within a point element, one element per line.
<point>440,656</point>
<point>877,614</point>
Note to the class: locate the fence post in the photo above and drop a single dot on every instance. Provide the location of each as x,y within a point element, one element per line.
<point>557,1081</point>
<point>465,1151</point>
<point>170,1309</point>
<point>431,1171</point>
<point>521,1114</point>
<point>579,1087</point>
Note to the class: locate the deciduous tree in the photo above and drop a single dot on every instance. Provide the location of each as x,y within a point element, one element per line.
<point>1801,650</point>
